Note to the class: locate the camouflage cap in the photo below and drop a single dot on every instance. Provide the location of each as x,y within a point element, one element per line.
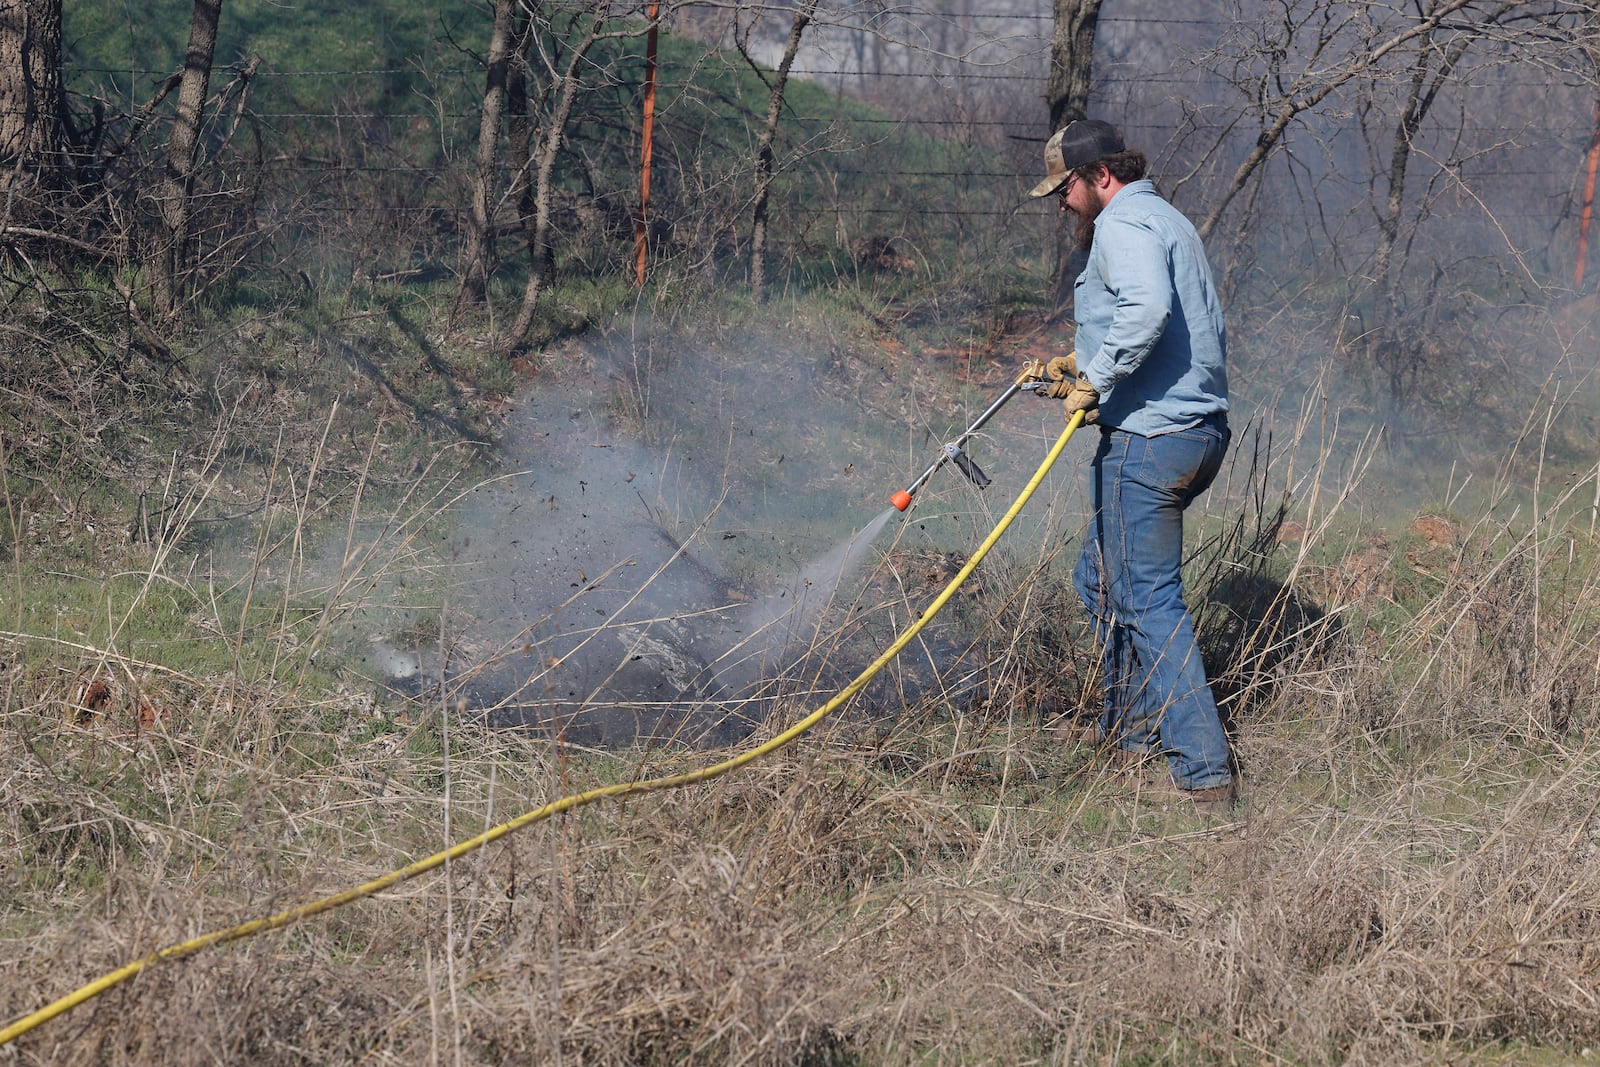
<point>1075,145</point>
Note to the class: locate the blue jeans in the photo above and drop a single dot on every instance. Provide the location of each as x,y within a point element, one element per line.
<point>1156,694</point>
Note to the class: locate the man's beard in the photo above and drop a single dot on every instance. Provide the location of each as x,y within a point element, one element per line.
<point>1084,234</point>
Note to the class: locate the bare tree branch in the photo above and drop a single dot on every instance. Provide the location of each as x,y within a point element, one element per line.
<point>1305,92</point>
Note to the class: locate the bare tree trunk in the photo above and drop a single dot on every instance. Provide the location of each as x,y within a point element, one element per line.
<point>541,164</point>
<point>480,226</point>
<point>1071,60</point>
<point>519,123</point>
<point>32,131</point>
<point>171,260</point>
<point>1071,64</point>
<point>764,159</point>
<point>1393,352</point>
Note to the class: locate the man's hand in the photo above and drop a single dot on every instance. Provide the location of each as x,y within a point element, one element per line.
<point>1081,397</point>
<point>1063,374</point>
<point>1062,368</point>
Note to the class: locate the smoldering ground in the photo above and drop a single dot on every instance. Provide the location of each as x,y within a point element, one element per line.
<point>685,539</point>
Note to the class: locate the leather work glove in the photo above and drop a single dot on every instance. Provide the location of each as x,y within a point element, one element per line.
<point>1063,374</point>
<point>1082,397</point>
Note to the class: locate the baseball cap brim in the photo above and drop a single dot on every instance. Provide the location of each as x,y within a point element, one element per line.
<point>1055,166</point>
<point>1049,185</point>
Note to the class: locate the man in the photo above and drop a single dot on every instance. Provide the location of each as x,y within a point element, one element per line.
<point>1150,366</point>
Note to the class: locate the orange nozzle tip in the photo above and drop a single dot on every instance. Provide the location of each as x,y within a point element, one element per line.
<point>901,500</point>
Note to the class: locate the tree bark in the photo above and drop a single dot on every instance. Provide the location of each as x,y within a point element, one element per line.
<point>176,203</point>
<point>764,158</point>
<point>480,226</point>
<point>1071,60</point>
<point>519,121</point>
<point>32,131</point>
<point>538,171</point>
<point>1067,91</point>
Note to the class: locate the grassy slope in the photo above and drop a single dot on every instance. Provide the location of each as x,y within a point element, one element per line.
<point>316,36</point>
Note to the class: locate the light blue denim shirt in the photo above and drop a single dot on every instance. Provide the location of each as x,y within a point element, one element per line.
<point>1150,333</point>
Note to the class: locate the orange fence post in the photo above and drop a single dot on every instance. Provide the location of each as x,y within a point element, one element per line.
<point>1587,214</point>
<point>641,226</point>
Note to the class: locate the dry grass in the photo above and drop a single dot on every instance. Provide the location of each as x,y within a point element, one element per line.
<point>1362,909</point>
<point>1413,877</point>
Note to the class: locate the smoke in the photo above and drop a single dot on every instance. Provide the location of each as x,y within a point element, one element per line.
<point>782,627</point>
<point>665,556</point>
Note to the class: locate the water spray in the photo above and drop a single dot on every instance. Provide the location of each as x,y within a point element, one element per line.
<point>1032,379</point>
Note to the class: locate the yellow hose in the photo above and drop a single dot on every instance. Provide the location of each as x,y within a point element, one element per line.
<point>567,803</point>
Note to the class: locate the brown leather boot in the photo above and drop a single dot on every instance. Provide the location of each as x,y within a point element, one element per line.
<point>1214,800</point>
<point>1076,729</point>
